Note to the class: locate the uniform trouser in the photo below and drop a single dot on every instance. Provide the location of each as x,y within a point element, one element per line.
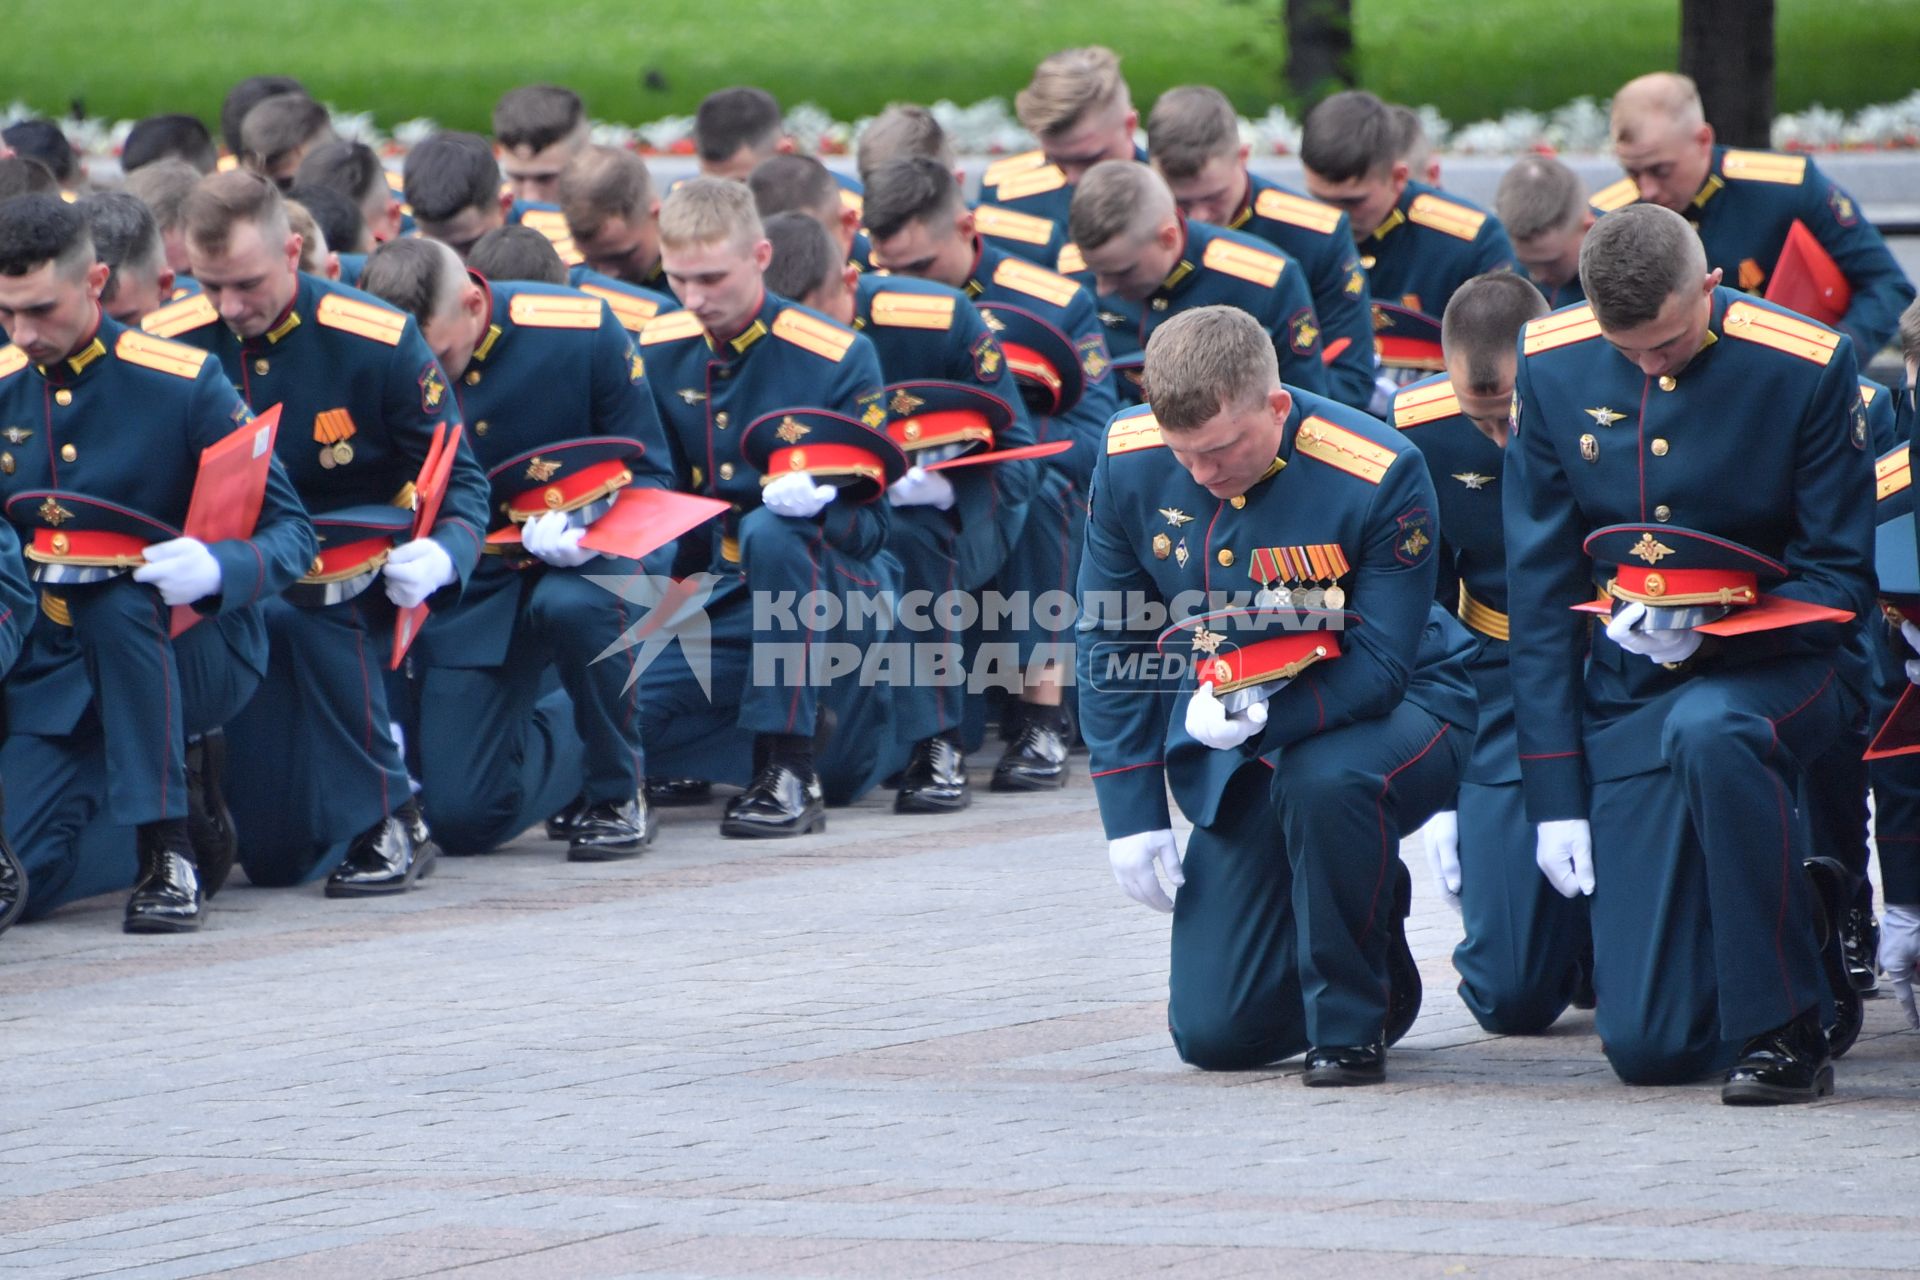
<point>65,795</point>
<point>1046,558</point>
<point>1518,962</point>
<point>1895,779</point>
<point>1280,933</point>
<point>1835,799</point>
<point>765,659</point>
<point>926,704</point>
<point>496,756</point>
<point>311,762</point>
<point>1702,919</point>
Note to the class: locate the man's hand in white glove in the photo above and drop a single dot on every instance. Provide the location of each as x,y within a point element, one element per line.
<point>1209,723</point>
<point>1563,850</point>
<point>1441,836</point>
<point>1654,646</point>
<point>182,569</point>
<point>1900,955</point>
<point>1912,634</point>
<point>551,537</point>
<point>416,570</point>
<point>796,496</point>
<point>1134,859</point>
<point>921,488</point>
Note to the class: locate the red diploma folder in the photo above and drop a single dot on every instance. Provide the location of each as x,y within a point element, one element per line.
<point>228,493</point>
<point>1769,613</point>
<point>428,492</point>
<point>1900,735</point>
<point>1046,450</point>
<point>1808,280</point>
<point>641,521</point>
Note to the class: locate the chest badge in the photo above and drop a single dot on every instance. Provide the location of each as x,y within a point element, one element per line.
<point>1473,479</point>
<point>1175,516</point>
<point>1589,449</point>
<point>17,435</point>
<point>1180,554</point>
<point>1604,416</point>
<point>691,396</point>
<point>1162,546</point>
<point>1113,320</point>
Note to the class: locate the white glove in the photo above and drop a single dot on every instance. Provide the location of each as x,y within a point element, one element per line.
<point>1441,836</point>
<point>1900,955</point>
<point>416,570</point>
<point>1563,850</point>
<point>921,488</point>
<point>1912,634</point>
<point>1655,646</point>
<point>549,536</point>
<point>796,496</point>
<point>183,570</point>
<point>1134,859</point>
<point>1209,723</point>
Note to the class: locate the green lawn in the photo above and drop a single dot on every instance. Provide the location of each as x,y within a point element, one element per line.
<point>403,58</point>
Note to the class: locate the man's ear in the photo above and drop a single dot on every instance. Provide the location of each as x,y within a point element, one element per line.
<point>763,253</point>
<point>786,146</point>
<point>165,280</point>
<point>332,269</point>
<point>506,203</point>
<point>850,276</point>
<point>1713,280</point>
<point>295,243</point>
<point>1280,404</point>
<point>97,275</point>
<point>1399,174</point>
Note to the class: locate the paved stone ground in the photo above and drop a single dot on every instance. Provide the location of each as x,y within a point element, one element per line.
<point>905,1048</point>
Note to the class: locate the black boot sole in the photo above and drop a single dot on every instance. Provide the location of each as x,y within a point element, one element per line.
<point>1755,1093</point>
<point>1340,1078</point>
<point>754,831</point>
<point>903,803</point>
<point>423,860</point>
<point>1013,782</point>
<point>148,924</point>
<point>622,852</point>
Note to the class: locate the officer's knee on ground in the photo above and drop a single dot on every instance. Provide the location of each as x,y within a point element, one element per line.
<point>1214,1039</point>
<point>1515,1011</point>
<point>1651,1060</point>
<point>467,821</point>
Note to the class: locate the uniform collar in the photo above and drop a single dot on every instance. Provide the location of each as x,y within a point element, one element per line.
<point>83,356</point>
<point>1711,187</point>
<point>1183,269</point>
<point>982,265</point>
<point>1245,215</point>
<point>735,346</point>
<point>289,320</point>
<point>1716,325</point>
<point>496,315</point>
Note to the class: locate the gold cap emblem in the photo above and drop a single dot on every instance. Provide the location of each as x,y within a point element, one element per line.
<point>1650,549</point>
<point>541,470</point>
<point>791,431</point>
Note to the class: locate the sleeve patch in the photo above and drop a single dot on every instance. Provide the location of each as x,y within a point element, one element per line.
<point>1242,262</point>
<point>1303,333</point>
<point>1785,333</point>
<point>1297,211</point>
<point>1456,220</point>
<point>1094,361</point>
<point>1036,282</point>
<point>1764,166</point>
<point>1342,449</point>
<point>157,353</point>
<point>897,310</point>
<point>822,337</point>
<point>671,327</point>
<point>548,311</point>
<point>988,360</point>
<point>362,319</point>
<point>433,387</point>
<point>1005,224</point>
<point>180,317</point>
<point>1845,212</point>
<point>1413,536</point>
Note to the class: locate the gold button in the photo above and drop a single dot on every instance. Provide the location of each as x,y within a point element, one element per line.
<point>720,419</point>
<point>260,366</point>
<point>726,471</point>
<point>473,377</point>
<point>1663,513</point>
<point>68,453</point>
<point>63,396</point>
<point>480,427</point>
<point>1667,383</point>
<point>1238,501</point>
<point>1659,448</point>
<point>1226,558</point>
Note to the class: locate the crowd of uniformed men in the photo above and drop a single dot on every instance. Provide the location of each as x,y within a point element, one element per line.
<point>1378,466</point>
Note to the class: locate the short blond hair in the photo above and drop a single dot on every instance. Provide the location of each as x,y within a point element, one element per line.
<point>1649,103</point>
<point>704,210</point>
<point>1206,361</point>
<point>1069,85</point>
<point>600,182</point>
<point>1910,331</point>
<point>1117,198</point>
<point>313,245</point>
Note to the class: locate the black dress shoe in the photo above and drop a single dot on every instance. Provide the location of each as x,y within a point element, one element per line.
<point>13,881</point>
<point>209,824</point>
<point>935,779</point>
<point>1860,942</point>
<point>1583,996</point>
<point>670,793</point>
<point>560,825</point>
<point>1833,888</point>
<point>1037,760</point>
<point>1789,1064</point>
<point>1404,987</point>
<point>167,898</point>
<point>1345,1065</point>
<point>611,831</point>
<point>384,859</point>
<point>783,801</point>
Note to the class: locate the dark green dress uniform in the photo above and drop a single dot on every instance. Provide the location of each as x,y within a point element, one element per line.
<point>312,761</point>
<point>1703,934</point>
<point>1744,210</point>
<point>1318,237</point>
<point>495,755</point>
<point>100,704</point>
<point>708,390</point>
<point>1896,790</point>
<point>924,331</point>
<point>17,600</point>
<point>1226,268</point>
<point>1523,941</point>
<point>1429,245</point>
<point>1023,207</point>
<point>1280,934</point>
<point>633,305</point>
